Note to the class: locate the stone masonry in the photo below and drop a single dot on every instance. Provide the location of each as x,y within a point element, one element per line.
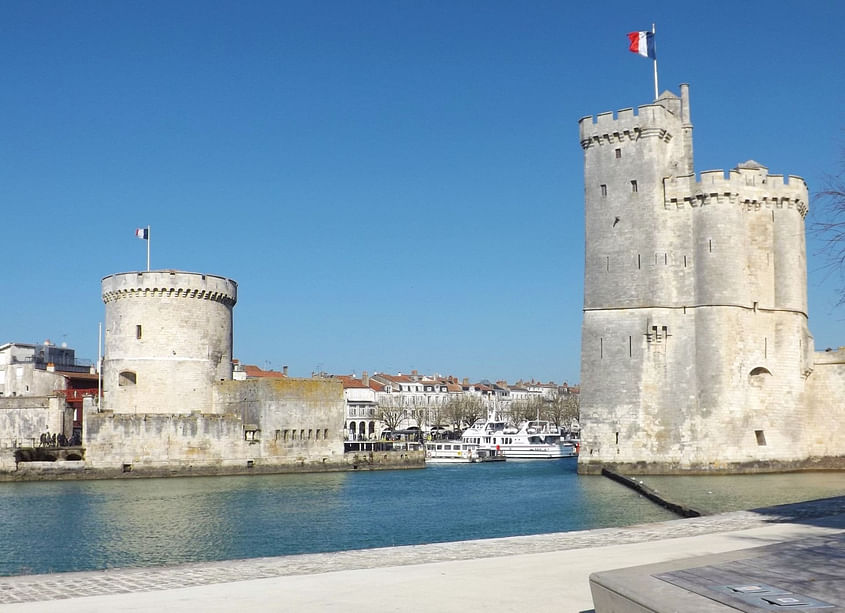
<point>696,353</point>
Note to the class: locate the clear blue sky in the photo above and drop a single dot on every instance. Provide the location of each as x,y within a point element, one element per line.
<point>394,185</point>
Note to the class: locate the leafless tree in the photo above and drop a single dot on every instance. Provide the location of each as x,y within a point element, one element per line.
<point>391,413</point>
<point>562,409</point>
<point>463,411</point>
<point>525,410</point>
<point>830,227</point>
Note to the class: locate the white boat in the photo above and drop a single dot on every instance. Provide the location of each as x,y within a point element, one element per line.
<point>452,452</point>
<point>535,439</point>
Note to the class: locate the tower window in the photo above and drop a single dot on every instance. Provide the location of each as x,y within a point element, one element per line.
<point>634,186</point>
<point>127,377</point>
<point>618,153</point>
<point>603,189</point>
<point>138,331</point>
<point>761,437</point>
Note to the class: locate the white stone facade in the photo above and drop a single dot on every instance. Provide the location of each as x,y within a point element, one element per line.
<point>696,354</point>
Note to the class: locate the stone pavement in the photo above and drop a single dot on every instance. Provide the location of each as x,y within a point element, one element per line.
<point>503,574</point>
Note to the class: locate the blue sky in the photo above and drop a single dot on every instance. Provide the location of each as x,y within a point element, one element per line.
<point>394,185</point>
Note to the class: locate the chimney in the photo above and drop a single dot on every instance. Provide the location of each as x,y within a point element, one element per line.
<point>414,372</point>
<point>365,379</point>
<point>285,370</point>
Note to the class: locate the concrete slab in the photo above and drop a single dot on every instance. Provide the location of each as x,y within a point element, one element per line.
<point>804,574</point>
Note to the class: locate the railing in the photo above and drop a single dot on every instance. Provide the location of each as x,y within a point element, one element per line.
<point>41,364</point>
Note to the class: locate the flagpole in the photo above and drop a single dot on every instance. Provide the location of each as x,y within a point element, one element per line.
<point>148,227</point>
<point>654,38</point>
<point>99,366</point>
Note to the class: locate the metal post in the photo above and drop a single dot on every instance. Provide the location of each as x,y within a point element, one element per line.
<point>654,38</point>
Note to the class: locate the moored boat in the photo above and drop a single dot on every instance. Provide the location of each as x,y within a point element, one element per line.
<point>537,439</point>
<point>454,452</point>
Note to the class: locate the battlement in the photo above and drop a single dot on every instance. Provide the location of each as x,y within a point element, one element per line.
<point>170,283</point>
<point>650,119</point>
<point>749,185</point>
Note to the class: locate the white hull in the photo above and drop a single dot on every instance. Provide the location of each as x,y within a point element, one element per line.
<point>534,440</point>
<point>458,452</point>
<point>540,452</point>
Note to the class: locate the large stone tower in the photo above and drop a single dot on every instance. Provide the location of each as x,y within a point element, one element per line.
<point>168,339</point>
<point>695,347</point>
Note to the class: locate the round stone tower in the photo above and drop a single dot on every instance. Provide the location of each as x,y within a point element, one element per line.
<point>168,339</point>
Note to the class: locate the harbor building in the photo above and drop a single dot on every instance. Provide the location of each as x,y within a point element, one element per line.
<point>696,350</point>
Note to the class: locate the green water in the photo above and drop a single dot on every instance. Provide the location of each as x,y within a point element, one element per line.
<point>717,494</point>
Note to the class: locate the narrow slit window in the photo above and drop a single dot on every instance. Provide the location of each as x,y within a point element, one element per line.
<point>603,189</point>
<point>634,187</point>
<point>630,347</point>
<point>618,153</point>
<point>761,437</point>
<point>138,331</point>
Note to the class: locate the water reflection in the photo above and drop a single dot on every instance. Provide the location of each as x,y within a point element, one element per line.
<point>715,494</point>
<point>62,526</point>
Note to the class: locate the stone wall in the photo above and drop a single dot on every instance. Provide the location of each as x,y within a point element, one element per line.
<point>696,354</point>
<point>168,340</point>
<point>824,424</point>
<point>23,419</point>
<point>261,425</point>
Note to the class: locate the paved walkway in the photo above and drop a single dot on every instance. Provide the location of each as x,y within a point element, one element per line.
<point>539,572</point>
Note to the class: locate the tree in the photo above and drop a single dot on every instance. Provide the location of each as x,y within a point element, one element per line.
<point>390,413</point>
<point>525,410</point>
<point>831,231</point>
<point>562,409</point>
<point>463,410</point>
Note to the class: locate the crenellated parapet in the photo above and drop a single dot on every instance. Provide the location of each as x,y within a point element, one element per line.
<point>650,121</point>
<point>749,185</point>
<point>169,284</point>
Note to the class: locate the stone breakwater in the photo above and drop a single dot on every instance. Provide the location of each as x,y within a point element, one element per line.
<point>75,470</point>
<point>56,587</point>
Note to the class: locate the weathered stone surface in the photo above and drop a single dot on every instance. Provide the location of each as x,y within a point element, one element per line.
<point>696,354</point>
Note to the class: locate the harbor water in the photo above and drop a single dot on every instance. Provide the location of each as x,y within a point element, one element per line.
<point>89,525</point>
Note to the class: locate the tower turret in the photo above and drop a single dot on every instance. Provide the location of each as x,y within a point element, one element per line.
<point>168,338</point>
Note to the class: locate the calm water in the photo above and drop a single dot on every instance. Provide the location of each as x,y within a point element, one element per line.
<point>85,525</point>
<point>63,526</point>
<point>718,494</point>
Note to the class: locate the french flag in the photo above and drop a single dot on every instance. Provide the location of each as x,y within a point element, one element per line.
<point>642,43</point>
<point>142,233</point>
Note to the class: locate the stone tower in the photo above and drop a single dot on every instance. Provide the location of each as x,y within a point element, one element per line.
<point>695,346</point>
<point>168,339</point>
